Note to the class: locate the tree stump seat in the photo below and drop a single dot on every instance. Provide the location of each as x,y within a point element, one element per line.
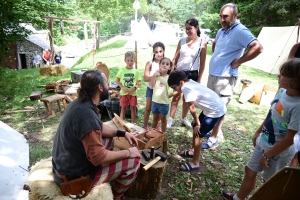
<point>51,99</point>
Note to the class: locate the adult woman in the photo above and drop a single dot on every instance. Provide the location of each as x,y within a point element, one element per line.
<point>190,57</point>
<point>150,68</point>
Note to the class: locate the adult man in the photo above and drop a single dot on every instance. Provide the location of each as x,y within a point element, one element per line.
<point>82,143</point>
<point>228,48</point>
<point>36,59</point>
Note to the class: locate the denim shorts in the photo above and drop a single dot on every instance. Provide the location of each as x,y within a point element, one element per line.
<point>207,124</point>
<point>149,92</point>
<point>158,108</point>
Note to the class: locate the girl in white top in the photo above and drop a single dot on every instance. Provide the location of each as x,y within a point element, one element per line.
<point>190,57</point>
<point>150,68</point>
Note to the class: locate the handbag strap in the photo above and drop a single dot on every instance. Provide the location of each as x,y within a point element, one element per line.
<point>198,52</point>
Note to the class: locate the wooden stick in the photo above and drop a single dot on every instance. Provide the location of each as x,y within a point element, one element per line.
<point>122,123</point>
<point>69,19</point>
<point>16,111</point>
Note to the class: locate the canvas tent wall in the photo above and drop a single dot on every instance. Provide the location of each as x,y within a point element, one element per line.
<point>140,33</point>
<point>277,43</point>
<point>166,33</point>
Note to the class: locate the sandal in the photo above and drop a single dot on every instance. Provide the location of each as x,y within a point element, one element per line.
<point>188,168</point>
<point>186,154</point>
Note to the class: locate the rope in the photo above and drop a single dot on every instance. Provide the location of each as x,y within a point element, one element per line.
<point>283,49</point>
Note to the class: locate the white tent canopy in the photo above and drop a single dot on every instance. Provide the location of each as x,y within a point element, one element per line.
<point>277,43</point>
<point>166,32</point>
<point>140,33</point>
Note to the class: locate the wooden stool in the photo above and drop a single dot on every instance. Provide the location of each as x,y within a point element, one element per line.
<point>148,183</point>
<point>51,99</point>
<point>42,185</point>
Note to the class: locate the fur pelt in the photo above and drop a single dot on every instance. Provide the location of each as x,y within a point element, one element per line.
<point>42,185</point>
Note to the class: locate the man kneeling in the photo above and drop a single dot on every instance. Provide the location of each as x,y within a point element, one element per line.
<point>82,145</point>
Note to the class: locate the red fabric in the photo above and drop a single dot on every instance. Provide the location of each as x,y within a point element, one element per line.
<point>128,100</point>
<point>94,149</point>
<point>121,174</point>
<point>47,55</point>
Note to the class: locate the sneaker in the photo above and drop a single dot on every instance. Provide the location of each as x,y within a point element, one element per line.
<point>186,122</point>
<point>227,195</point>
<point>210,144</point>
<point>170,122</point>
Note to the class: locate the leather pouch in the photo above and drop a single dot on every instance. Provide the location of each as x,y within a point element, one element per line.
<point>77,188</point>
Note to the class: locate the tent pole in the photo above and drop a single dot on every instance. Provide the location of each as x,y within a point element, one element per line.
<point>136,57</point>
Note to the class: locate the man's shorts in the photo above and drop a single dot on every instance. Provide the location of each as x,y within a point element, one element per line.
<point>128,100</point>
<point>149,93</point>
<point>207,124</point>
<point>276,162</point>
<point>158,108</point>
<point>223,86</point>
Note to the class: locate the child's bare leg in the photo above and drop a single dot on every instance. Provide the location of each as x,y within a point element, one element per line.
<point>163,120</point>
<point>248,183</point>
<point>294,162</point>
<point>123,111</point>
<point>155,120</point>
<point>197,149</point>
<point>174,105</point>
<point>147,112</point>
<point>217,128</point>
<point>133,113</point>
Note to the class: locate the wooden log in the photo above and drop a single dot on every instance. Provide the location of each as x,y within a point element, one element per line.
<point>148,183</point>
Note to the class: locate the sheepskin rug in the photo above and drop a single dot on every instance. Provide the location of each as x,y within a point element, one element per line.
<point>42,185</point>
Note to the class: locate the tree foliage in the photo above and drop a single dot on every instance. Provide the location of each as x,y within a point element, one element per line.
<point>115,15</point>
<point>256,14</point>
<point>16,12</point>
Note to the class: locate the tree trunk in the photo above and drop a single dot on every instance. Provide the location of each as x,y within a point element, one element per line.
<point>148,183</point>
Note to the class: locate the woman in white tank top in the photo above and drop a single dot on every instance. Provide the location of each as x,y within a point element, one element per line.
<point>150,68</point>
<point>190,57</point>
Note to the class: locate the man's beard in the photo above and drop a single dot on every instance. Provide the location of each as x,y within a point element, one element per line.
<point>104,95</point>
<point>227,25</point>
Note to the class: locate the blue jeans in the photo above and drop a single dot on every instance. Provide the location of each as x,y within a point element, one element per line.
<point>158,108</point>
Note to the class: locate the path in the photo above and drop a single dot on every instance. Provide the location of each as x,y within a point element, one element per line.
<point>73,51</point>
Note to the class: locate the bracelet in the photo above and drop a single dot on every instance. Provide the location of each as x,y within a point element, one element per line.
<point>265,157</point>
<point>129,153</point>
<point>120,133</point>
<point>197,125</point>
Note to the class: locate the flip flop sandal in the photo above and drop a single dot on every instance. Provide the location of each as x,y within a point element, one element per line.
<point>186,154</point>
<point>188,168</point>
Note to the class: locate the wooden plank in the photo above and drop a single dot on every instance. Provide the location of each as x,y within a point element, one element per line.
<point>122,123</point>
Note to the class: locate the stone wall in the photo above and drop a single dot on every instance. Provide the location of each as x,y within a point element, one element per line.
<point>26,47</point>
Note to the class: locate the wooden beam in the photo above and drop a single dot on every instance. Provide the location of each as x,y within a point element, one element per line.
<point>69,19</point>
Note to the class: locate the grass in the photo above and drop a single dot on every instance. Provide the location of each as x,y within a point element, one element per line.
<point>220,168</point>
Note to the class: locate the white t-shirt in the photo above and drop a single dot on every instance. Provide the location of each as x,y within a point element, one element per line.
<point>188,54</point>
<point>154,66</point>
<point>204,98</point>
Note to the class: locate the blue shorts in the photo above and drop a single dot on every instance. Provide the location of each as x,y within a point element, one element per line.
<point>207,124</point>
<point>149,92</point>
<point>158,108</point>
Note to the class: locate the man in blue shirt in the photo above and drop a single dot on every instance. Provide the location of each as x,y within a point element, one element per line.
<point>228,54</point>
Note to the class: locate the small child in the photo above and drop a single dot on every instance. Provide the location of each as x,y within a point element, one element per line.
<point>128,79</point>
<point>161,94</point>
<point>213,109</point>
<point>273,140</point>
